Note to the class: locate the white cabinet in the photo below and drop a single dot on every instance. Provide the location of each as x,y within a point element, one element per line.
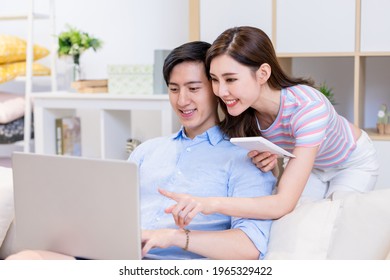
<point>310,26</point>
<point>218,15</point>
<point>375,26</point>
<point>106,120</point>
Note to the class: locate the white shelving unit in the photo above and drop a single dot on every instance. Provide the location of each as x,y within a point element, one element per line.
<point>104,134</point>
<point>343,43</point>
<point>30,16</point>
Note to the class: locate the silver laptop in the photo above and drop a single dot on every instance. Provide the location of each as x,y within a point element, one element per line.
<point>87,208</point>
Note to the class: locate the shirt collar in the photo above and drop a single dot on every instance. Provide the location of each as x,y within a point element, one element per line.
<point>214,135</point>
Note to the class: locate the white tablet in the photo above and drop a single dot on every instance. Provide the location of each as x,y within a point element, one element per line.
<point>260,144</point>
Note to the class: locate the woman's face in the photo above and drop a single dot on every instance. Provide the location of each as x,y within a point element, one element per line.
<point>234,83</point>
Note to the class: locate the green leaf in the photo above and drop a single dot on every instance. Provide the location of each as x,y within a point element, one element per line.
<point>74,42</point>
<point>328,92</point>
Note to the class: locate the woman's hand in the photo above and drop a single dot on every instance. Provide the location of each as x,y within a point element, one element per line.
<point>161,238</point>
<point>265,161</point>
<point>186,208</point>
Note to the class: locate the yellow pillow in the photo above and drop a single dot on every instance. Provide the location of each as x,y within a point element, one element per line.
<point>12,70</point>
<point>13,49</point>
<point>37,68</point>
<point>6,74</point>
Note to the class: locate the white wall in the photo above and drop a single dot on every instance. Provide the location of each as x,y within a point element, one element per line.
<point>130,29</point>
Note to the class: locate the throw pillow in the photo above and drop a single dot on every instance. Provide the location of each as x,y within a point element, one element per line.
<point>12,70</point>
<point>6,74</point>
<point>13,48</point>
<point>11,107</point>
<point>37,69</point>
<point>305,233</point>
<point>362,230</point>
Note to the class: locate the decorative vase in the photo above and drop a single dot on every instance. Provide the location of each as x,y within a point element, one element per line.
<point>76,72</point>
<point>387,128</point>
<point>380,128</point>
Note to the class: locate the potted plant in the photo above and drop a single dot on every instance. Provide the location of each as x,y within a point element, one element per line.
<point>328,92</point>
<point>382,120</point>
<point>382,123</point>
<point>74,42</point>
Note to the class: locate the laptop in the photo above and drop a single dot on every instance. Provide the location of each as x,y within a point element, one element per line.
<point>86,208</point>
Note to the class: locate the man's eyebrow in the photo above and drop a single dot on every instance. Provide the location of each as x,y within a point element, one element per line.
<point>192,82</point>
<point>186,84</point>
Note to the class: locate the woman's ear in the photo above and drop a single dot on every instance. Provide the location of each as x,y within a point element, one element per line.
<point>263,73</point>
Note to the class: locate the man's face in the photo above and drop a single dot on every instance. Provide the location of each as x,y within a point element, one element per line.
<point>192,98</point>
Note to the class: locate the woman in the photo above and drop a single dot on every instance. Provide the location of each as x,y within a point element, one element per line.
<point>259,98</point>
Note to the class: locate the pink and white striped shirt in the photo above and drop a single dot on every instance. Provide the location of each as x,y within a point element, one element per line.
<point>306,118</point>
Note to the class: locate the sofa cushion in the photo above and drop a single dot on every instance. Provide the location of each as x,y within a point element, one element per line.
<point>362,229</point>
<point>6,201</point>
<point>351,226</point>
<point>304,233</point>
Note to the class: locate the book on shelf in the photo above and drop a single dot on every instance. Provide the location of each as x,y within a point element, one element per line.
<point>90,86</point>
<point>68,136</point>
<point>93,90</point>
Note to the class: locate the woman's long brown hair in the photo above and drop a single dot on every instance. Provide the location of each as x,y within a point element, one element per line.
<point>251,47</point>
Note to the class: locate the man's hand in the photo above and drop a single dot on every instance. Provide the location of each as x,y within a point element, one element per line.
<point>161,238</point>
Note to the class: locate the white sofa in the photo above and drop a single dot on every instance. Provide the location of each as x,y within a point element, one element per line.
<point>350,226</point>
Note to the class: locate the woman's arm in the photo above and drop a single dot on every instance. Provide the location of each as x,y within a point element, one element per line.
<point>290,187</point>
<point>227,244</point>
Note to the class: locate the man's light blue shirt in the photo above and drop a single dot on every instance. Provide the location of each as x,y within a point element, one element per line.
<point>209,166</point>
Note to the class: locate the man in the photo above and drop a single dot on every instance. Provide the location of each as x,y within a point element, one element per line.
<point>200,161</point>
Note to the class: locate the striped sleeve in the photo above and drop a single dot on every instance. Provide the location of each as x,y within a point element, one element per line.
<point>309,124</point>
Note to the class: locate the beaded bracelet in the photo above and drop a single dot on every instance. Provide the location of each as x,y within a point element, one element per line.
<point>187,232</point>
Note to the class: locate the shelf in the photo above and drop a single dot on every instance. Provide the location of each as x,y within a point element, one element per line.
<point>319,54</point>
<point>105,132</point>
<point>29,15</point>
<point>97,96</point>
<point>332,54</point>
<point>374,135</point>
<point>23,16</point>
<point>374,54</point>
<point>36,78</point>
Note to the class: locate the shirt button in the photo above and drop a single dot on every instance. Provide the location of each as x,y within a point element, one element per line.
<point>188,149</point>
